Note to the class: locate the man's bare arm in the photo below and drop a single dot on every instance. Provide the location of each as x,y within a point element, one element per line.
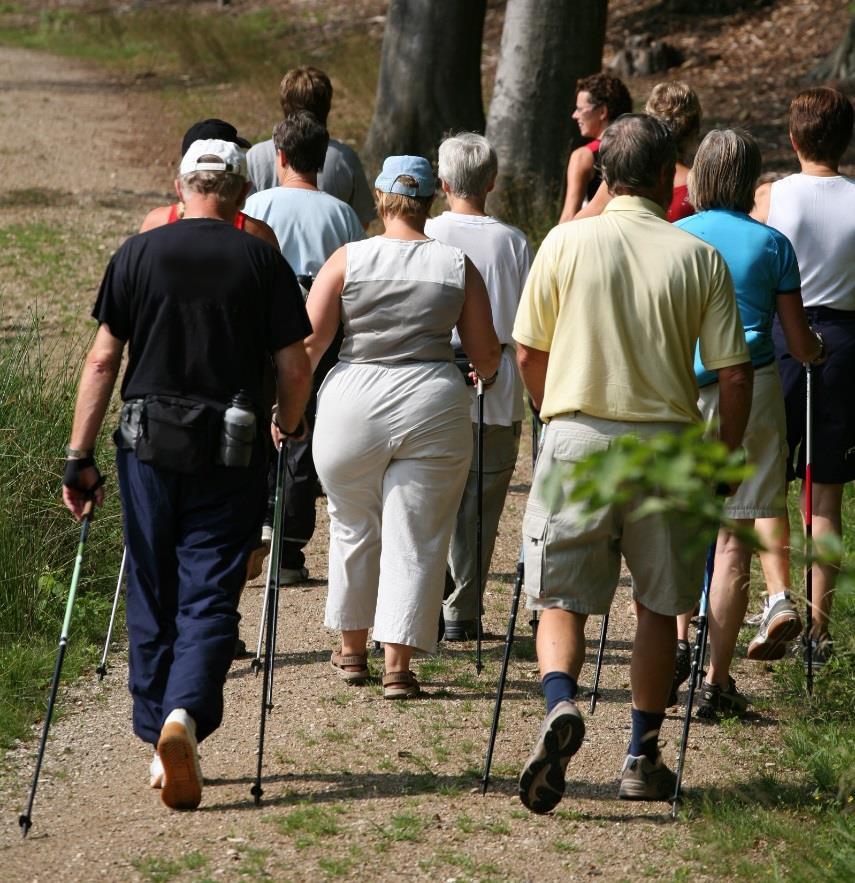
<point>735,385</point>
<point>293,384</point>
<point>533,364</point>
<point>97,380</point>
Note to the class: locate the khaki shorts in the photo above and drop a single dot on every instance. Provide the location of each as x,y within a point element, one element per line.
<point>763,494</point>
<point>574,563</point>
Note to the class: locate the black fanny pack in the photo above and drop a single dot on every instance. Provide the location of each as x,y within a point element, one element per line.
<point>171,432</point>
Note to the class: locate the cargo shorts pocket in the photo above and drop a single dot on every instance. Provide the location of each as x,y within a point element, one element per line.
<point>534,540</point>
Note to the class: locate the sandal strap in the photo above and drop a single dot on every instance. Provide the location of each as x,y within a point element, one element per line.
<point>399,677</point>
<point>360,659</point>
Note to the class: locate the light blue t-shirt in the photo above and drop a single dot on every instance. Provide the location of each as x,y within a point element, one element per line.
<point>309,224</point>
<point>762,263</point>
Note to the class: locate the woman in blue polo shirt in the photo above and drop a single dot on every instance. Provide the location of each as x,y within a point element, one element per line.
<point>766,281</point>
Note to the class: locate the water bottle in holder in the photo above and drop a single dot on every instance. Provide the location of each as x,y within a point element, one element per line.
<point>238,434</point>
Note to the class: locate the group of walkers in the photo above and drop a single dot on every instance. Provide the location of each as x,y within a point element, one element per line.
<point>259,289</point>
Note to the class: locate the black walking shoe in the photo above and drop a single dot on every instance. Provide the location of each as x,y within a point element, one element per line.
<point>682,670</point>
<point>714,701</point>
<point>822,650</point>
<point>541,785</point>
<point>461,630</point>
<point>642,779</point>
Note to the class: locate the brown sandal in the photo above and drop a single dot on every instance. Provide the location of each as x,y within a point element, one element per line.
<point>350,676</point>
<point>400,685</point>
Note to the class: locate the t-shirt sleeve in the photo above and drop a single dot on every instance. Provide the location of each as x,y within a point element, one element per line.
<point>524,261</point>
<point>789,278</point>
<point>113,304</point>
<point>288,320</point>
<point>354,226</point>
<point>344,178</point>
<point>261,165</point>
<point>538,309</point>
<point>722,337</point>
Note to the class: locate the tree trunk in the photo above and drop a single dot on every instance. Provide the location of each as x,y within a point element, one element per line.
<point>546,46</point>
<point>840,65</point>
<point>430,77</point>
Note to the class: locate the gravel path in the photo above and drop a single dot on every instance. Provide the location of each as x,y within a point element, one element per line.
<point>355,787</point>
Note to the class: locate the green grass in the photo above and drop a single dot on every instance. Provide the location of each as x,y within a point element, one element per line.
<point>38,539</point>
<point>796,826</point>
<point>36,257</point>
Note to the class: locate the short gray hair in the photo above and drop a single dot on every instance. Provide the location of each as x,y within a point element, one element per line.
<point>225,186</point>
<point>468,164</point>
<point>725,171</point>
<point>634,150</point>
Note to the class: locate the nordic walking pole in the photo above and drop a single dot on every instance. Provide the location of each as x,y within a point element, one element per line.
<point>102,668</point>
<point>604,627</point>
<point>500,689</point>
<point>479,523</point>
<point>809,527</point>
<point>536,426</point>
<point>272,559</point>
<point>25,819</point>
<point>695,675</point>
<point>269,625</point>
<point>509,635</point>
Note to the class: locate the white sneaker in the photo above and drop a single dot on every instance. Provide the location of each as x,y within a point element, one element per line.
<point>179,756</point>
<point>155,772</point>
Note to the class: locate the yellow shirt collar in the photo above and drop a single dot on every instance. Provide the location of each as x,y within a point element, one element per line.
<point>634,204</point>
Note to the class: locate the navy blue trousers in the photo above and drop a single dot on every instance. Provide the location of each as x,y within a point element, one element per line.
<point>188,538</point>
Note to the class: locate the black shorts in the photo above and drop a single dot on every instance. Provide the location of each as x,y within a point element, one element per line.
<point>833,399</point>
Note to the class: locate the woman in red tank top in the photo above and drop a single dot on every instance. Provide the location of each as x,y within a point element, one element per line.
<point>599,99</point>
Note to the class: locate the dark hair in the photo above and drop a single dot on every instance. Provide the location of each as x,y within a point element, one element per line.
<point>303,138</point>
<point>725,171</point>
<point>608,90</point>
<point>634,150</point>
<point>821,123</point>
<point>306,88</point>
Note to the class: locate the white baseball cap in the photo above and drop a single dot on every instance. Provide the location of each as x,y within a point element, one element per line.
<point>230,158</point>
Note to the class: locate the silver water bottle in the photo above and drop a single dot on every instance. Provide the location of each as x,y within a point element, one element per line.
<point>238,435</point>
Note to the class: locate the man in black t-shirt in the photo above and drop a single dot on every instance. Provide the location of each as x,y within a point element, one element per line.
<point>203,307</point>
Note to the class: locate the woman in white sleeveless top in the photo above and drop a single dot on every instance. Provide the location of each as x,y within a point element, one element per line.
<point>392,441</point>
<point>815,210</point>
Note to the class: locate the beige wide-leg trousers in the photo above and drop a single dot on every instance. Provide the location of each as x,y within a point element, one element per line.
<point>392,447</point>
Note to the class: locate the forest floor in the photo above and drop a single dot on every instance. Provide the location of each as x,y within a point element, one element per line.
<point>355,787</point>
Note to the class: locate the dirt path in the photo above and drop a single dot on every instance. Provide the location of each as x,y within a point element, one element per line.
<point>355,787</point>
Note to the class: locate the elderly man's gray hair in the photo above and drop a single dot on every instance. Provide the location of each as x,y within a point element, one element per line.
<point>225,186</point>
<point>634,150</point>
<point>467,164</point>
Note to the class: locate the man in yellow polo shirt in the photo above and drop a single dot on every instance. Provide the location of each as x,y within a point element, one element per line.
<point>606,332</point>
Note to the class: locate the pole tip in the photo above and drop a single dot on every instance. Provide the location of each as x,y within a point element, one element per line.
<point>25,823</point>
<point>256,791</point>
<point>101,671</point>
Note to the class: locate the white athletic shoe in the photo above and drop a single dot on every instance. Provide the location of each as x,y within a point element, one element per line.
<point>179,755</point>
<point>155,772</point>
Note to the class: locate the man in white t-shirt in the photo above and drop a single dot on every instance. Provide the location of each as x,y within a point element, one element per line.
<point>341,175</point>
<point>501,253</point>
<point>310,225</point>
